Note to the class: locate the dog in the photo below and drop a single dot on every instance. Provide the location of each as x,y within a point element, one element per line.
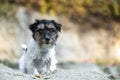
<point>39,55</point>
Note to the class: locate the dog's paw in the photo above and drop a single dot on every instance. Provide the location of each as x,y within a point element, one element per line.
<point>38,76</point>
<point>52,68</point>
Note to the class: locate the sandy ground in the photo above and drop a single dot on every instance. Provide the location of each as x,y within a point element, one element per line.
<point>74,72</point>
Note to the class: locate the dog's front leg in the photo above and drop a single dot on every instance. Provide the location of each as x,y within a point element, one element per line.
<point>53,64</point>
<point>30,67</point>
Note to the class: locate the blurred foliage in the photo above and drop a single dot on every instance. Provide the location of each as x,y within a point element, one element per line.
<point>75,9</point>
<point>5,8</point>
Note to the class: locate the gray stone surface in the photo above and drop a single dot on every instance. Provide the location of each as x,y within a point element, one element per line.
<point>60,74</point>
<point>10,74</point>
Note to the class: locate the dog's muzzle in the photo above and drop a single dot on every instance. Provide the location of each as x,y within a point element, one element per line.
<point>47,40</point>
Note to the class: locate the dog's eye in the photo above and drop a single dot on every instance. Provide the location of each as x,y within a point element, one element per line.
<point>40,31</point>
<point>53,30</point>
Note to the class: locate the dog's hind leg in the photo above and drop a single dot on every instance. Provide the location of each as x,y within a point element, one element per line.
<point>22,65</point>
<point>26,66</point>
<point>29,66</point>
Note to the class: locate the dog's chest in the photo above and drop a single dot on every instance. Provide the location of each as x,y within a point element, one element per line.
<point>42,58</point>
<point>39,56</point>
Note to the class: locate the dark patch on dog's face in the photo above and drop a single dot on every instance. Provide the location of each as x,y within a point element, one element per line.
<point>45,31</point>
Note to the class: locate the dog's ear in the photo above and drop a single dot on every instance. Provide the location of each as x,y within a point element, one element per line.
<point>57,25</point>
<point>33,26</point>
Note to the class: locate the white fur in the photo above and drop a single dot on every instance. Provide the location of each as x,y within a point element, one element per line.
<point>37,60</point>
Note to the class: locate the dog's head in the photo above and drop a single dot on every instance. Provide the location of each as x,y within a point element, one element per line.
<point>45,31</point>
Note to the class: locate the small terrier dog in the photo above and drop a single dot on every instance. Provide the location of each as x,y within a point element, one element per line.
<point>39,55</point>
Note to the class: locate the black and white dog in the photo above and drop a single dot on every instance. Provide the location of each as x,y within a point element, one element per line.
<point>39,56</point>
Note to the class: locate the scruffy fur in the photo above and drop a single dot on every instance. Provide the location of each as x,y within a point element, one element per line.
<point>39,57</point>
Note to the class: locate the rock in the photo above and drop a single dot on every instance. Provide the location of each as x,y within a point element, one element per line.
<point>112,71</point>
<point>75,75</point>
<point>10,74</point>
<point>60,74</point>
<point>81,67</point>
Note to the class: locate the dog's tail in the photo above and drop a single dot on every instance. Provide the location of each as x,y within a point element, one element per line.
<point>24,47</point>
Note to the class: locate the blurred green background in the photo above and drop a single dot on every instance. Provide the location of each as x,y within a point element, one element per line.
<point>74,9</point>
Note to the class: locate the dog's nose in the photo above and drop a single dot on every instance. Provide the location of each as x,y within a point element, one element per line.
<point>47,39</point>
